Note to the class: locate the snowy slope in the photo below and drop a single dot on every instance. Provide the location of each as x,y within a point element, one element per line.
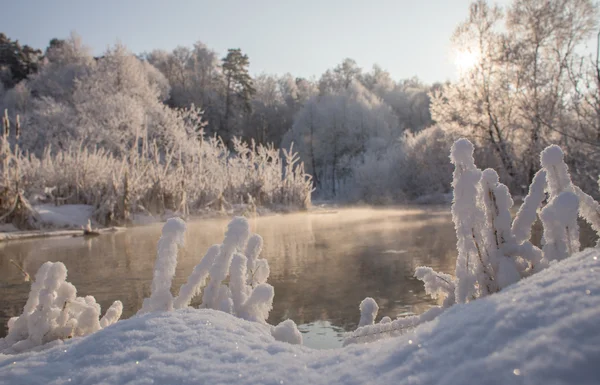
<point>543,330</point>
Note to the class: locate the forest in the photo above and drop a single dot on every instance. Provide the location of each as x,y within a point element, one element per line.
<point>191,128</point>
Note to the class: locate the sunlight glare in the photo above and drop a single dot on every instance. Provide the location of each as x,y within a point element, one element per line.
<point>464,60</point>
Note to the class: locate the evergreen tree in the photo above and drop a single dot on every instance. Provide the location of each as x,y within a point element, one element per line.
<point>239,90</point>
<point>16,61</point>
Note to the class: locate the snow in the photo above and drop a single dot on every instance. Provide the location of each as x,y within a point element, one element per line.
<point>287,331</point>
<point>542,330</point>
<point>65,216</point>
<point>468,218</point>
<point>173,235</point>
<point>527,214</point>
<point>53,313</point>
<point>197,279</point>
<point>561,232</point>
<point>368,311</point>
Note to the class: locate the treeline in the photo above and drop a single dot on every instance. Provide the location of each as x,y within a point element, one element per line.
<point>528,82</point>
<point>69,96</point>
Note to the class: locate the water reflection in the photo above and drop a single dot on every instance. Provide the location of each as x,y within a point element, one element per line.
<point>322,264</point>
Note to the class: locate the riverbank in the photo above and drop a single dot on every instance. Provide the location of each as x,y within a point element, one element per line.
<point>541,330</point>
<point>72,220</point>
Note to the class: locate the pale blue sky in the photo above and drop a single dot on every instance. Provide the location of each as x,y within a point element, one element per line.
<point>406,37</point>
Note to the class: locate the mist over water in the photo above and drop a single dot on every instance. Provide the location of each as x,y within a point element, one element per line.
<point>322,263</point>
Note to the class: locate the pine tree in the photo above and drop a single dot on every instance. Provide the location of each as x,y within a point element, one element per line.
<point>239,89</point>
<point>16,61</point>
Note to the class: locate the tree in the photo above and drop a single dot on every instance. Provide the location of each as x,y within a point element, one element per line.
<point>16,61</point>
<point>195,79</point>
<point>514,98</point>
<point>333,131</point>
<point>239,89</point>
<point>340,77</point>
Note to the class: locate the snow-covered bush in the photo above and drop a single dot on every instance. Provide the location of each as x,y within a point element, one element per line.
<point>246,294</point>
<point>53,312</point>
<point>495,251</point>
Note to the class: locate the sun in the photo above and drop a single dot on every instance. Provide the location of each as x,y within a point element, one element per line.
<point>464,60</point>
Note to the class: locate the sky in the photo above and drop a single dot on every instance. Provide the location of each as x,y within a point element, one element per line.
<point>305,38</point>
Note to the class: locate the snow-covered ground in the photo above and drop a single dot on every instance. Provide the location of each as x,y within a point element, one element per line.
<point>64,216</point>
<point>545,329</point>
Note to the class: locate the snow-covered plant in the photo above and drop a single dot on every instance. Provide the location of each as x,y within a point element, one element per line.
<point>437,285</point>
<point>493,250</point>
<point>237,283</point>
<point>561,235</point>
<point>173,235</point>
<point>53,312</point>
<point>368,311</point>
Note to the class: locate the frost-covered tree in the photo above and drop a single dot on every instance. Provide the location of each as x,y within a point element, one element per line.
<point>195,78</point>
<point>331,130</point>
<point>515,92</point>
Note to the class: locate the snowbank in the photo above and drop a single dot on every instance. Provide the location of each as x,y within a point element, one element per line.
<point>543,330</point>
<point>65,216</point>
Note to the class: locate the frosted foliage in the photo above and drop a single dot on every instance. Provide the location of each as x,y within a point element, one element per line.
<point>500,242</point>
<point>235,237</point>
<point>253,249</point>
<point>399,326</point>
<point>197,279</point>
<point>54,312</point>
<point>494,253</point>
<point>259,304</point>
<point>559,180</point>
<point>527,213</point>
<point>261,272</point>
<point>558,177</point>
<point>437,285</point>
<point>368,311</point>
<point>112,314</point>
<point>287,331</point>
<point>245,294</point>
<point>468,218</point>
<point>237,282</point>
<point>589,209</point>
<point>161,299</point>
<point>561,233</point>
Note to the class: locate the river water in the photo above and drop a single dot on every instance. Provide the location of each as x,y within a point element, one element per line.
<point>323,264</point>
